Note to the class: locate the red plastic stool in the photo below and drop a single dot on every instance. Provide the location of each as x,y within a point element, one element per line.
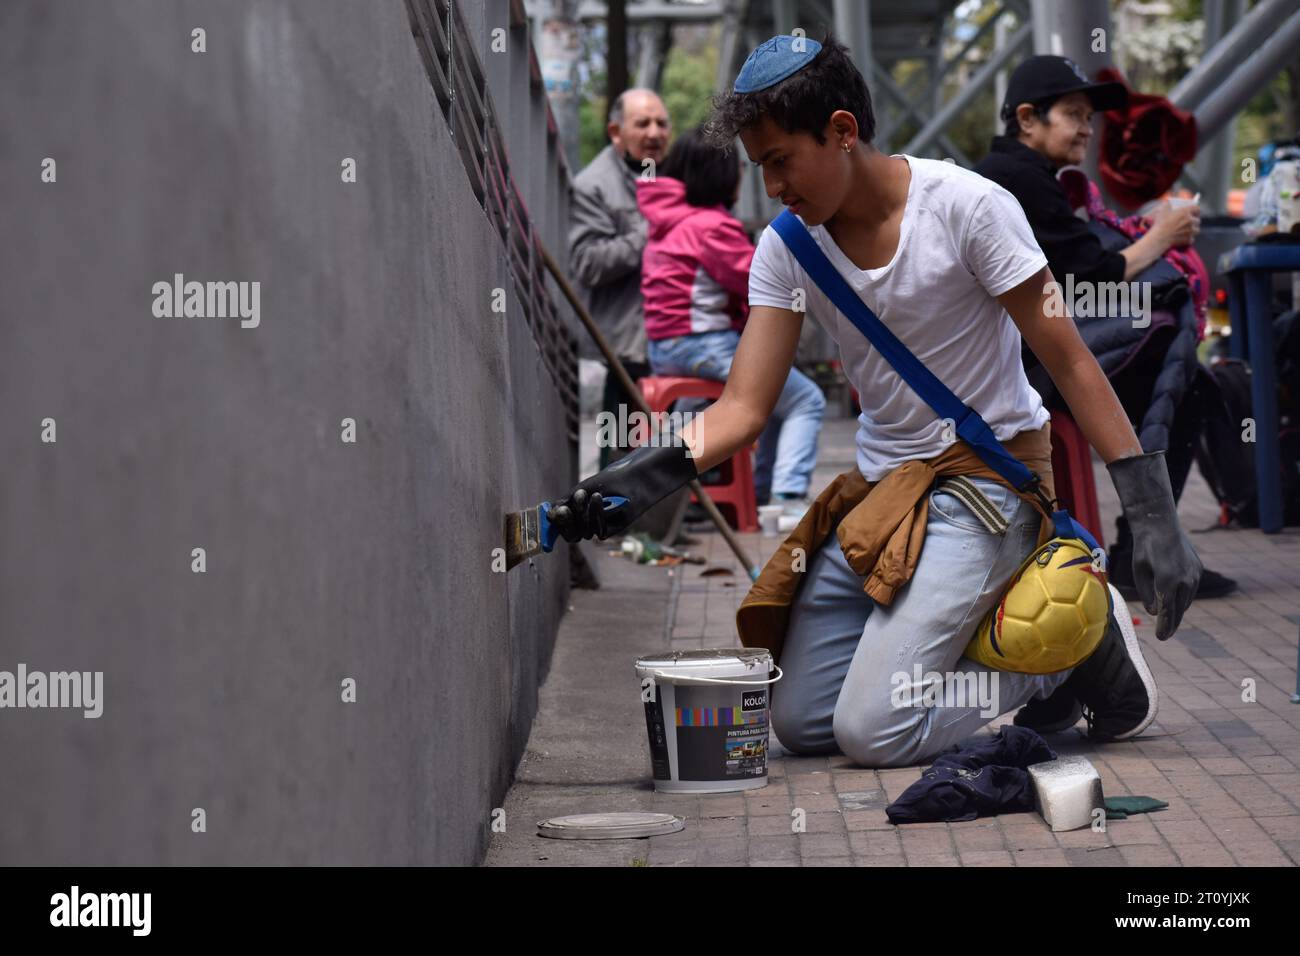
<point>734,492</point>
<point>1076,489</point>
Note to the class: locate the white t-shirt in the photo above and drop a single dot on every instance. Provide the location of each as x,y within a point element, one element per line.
<point>963,240</point>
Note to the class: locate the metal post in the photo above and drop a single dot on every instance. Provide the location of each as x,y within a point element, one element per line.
<point>783,15</point>
<point>646,38</point>
<point>1069,29</point>
<point>1214,165</point>
<point>853,25</point>
<point>884,81</point>
<point>1215,67</point>
<point>1042,17</point>
<point>930,132</point>
<point>654,38</point>
<point>934,91</point>
<point>615,48</point>
<point>558,55</point>
<point>1080,30</point>
<point>733,15</point>
<point>1192,181</point>
<point>753,197</point>
<point>1263,393</point>
<point>540,13</point>
<point>1249,78</point>
<point>665,49</point>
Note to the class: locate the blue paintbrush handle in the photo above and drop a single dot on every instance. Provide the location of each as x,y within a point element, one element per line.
<point>549,533</point>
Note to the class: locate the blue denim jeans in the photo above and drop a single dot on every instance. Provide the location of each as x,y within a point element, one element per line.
<point>787,448</point>
<point>845,657</point>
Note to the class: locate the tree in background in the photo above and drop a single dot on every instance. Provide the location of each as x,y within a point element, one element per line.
<point>689,75</point>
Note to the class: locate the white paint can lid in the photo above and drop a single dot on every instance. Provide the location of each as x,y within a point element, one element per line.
<point>711,662</point>
<point>610,826</point>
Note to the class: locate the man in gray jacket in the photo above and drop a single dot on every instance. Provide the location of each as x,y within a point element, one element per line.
<point>607,233</point>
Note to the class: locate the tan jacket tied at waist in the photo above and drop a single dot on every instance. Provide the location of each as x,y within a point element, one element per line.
<point>881,527</point>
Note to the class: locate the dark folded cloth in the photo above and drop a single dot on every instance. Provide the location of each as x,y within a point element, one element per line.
<point>981,776</point>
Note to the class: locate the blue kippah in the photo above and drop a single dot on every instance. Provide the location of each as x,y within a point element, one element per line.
<point>774,60</point>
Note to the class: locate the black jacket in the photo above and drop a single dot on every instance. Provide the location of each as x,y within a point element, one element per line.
<point>981,776</point>
<point>1065,239</point>
<point>1166,348</point>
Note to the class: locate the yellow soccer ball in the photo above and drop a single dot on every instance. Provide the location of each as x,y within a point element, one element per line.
<point>1052,615</point>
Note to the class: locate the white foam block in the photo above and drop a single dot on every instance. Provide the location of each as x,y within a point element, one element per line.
<point>1067,791</point>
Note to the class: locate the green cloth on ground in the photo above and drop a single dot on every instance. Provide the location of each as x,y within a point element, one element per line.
<point>1118,808</point>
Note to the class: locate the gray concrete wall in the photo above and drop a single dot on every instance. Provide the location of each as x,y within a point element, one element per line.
<point>325,560</point>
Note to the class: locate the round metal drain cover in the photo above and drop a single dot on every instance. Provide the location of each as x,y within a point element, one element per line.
<point>610,826</point>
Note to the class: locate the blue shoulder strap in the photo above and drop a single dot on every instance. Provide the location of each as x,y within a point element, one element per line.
<point>970,426</point>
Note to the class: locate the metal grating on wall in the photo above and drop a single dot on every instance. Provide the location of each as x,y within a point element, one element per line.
<point>459,84</point>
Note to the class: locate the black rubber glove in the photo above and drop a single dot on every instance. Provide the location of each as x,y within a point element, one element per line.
<point>1166,570</point>
<point>645,477</point>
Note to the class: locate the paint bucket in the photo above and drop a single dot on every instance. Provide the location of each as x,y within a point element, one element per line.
<point>707,714</point>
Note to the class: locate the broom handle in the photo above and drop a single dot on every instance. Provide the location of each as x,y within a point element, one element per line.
<point>638,399</point>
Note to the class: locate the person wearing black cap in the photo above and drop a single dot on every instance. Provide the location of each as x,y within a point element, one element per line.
<point>1048,113</point>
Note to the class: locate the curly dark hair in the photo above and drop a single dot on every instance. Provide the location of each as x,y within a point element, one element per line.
<point>803,101</point>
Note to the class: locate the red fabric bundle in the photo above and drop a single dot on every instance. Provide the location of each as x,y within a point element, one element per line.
<point>1143,146</point>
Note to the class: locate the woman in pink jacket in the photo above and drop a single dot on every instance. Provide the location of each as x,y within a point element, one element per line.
<point>695,285</point>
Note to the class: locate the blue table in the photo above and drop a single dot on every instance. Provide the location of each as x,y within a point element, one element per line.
<point>1250,269</point>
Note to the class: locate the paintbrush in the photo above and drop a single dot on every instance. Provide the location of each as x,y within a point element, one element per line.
<point>530,531</point>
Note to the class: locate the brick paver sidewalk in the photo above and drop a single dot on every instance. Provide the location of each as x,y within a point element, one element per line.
<point>1227,768</point>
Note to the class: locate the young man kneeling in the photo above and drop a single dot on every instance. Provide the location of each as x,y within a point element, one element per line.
<point>947,261</point>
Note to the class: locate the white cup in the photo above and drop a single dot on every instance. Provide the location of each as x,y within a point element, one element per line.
<point>769,518</point>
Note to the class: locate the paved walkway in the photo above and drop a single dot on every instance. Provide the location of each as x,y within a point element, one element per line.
<point>1227,768</point>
